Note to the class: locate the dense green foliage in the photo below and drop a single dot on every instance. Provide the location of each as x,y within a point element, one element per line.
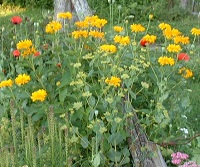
<point>82,130</point>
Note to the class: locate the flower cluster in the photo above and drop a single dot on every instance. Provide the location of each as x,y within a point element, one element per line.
<point>164,60</point>
<point>185,72</point>
<point>189,164</point>
<point>96,34</point>
<point>6,83</point>
<point>66,15</point>
<point>80,33</point>
<point>178,157</point>
<point>149,38</point>
<point>39,95</point>
<point>137,28</point>
<point>108,48</point>
<point>122,40</point>
<point>22,79</point>
<point>195,31</point>
<point>91,21</point>
<point>174,48</point>
<point>26,47</point>
<point>118,28</point>
<point>113,81</point>
<point>53,27</point>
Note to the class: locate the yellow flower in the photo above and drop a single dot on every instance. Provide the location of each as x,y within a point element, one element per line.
<point>22,79</point>
<point>91,19</point>
<point>114,81</point>
<point>28,51</point>
<point>181,39</point>
<point>174,48</point>
<point>149,38</point>
<point>53,27</point>
<point>25,44</point>
<point>96,34</point>
<point>82,24</point>
<point>170,33</point>
<point>137,28</point>
<point>6,83</point>
<point>122,40</point>
<point>108,48</point>
<point>164,26</point>
<point>164,60</point>
<point>99,23</point>
<point>66,15</point>
<point>186,73</point>
<point>79,34</point>
<point>195,31</point>
<point>39,95</point>
<point>118,28</point>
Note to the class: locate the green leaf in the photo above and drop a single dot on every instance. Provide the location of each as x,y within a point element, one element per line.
<point>133,95</point>
<point>84,142</point>
<point>114,155</point>
<point>63,94</point>
<point>116,138</point>
<point>96,161</point>
<point>185,102</point>
<point>124,161</point>
<point>91,101</point>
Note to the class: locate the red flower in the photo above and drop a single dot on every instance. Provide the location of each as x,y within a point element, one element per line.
<point>143,42</point>
<point>183,56</point>
<point>59,65</point>
<point>16,20</point>
<point>37,53</point>
<point>16,53</point>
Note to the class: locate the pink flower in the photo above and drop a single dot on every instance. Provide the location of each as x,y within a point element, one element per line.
<point>179,155</point>
<point>16,20</point>
<point>176,161</point>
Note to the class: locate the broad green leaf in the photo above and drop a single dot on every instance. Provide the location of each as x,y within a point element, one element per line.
<point>96,161</point>
<point>84,142</point>
<point>114,155</point>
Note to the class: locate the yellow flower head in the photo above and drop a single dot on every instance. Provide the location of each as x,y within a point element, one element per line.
<point>82,24</point>
<point>118,28</point>
<point>108,48</point>
<point>39,95</point>
<point>53,27</point>
<point>96,34</point>
<point>28,51</point>
<point>164,60</point>
<point>195,31</point>
<point>186,73</point>
<point>79,34</point>
<point>164,26</point>
<point>137,28</point>
<point>113,81</point>
<point>25,44</point>
<point>170,33</point>
<point>181,39</point>
<point>66,15</point>
<point>22,79</point>
<point>99,23</point>
<point>149,38</point>
<point>174,48</point>
<point>6,83</point>
<point>122,40</point>
<point>91,19</point>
